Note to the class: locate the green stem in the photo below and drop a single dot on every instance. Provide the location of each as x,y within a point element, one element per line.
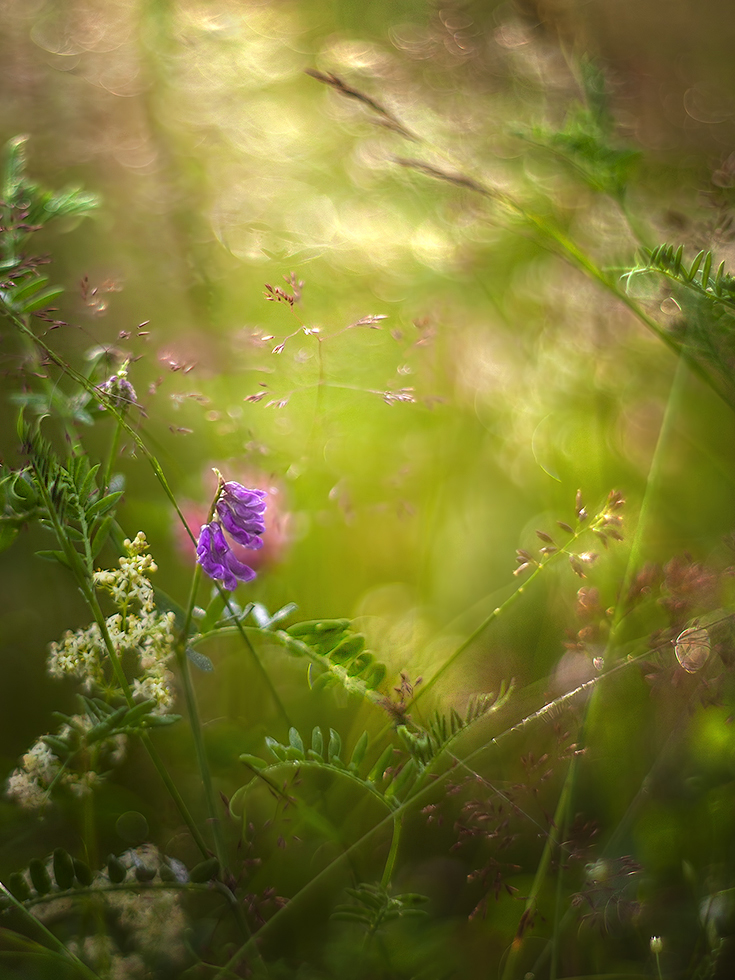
<point>653,483</point>
<point>144,736</point>
<point>498,611</point>
<point>112,454</point>
<point>560,817</point>
<point>261,669</point>
<point>174,793</point>
<point>201,754</point>
<point>393,852</point>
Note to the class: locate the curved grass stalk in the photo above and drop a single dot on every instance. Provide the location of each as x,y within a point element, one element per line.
<point>549,235</point>
<point>563,552</point>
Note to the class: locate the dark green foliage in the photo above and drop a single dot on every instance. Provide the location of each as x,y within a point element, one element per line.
<point>705,327</point>
<point>103,721</point>
<point>116,870</point>
<point>204,871</point>
<point>144,874</point>
<point>166,873</point>
<point>40,877</point>
<point>387,778</point>
<point>63,869</point>
<point>83,873</point>
<point>372,906</point>
<point>26,207</point>
<point>18,886</point>
<point>669,261</point>
<point>425,744</point>
<point>587,142</point>
<point>67,501</point>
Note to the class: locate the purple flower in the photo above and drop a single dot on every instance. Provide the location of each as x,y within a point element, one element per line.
<point>241,512</point>
<point>217,559</point>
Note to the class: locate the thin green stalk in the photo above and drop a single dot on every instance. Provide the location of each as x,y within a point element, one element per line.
<point>201,754</point>
<point>393,852</point>
<point>54,943</point>
<point>174,793</point>
<point>499,611</point>
<point>560,817</point>
<point>652,484</point>
<point>111,456</point>
<point>144,736</point>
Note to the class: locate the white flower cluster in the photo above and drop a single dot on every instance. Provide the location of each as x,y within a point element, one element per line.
<point>29,784</point>
<point>136,628</point>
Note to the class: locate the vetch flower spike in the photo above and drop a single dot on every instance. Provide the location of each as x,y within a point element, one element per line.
<point>241,512</point>
<point>218,560</point>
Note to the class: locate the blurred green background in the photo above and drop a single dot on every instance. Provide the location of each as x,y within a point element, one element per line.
<point>410,456</point>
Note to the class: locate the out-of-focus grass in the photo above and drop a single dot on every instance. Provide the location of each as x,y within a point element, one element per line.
<point>223,167</point>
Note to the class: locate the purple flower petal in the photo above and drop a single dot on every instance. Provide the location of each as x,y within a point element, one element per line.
<point>241,512</point>
<point>218,560</point>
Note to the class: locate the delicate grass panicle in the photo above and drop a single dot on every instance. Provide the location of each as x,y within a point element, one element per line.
<point>478,772</point>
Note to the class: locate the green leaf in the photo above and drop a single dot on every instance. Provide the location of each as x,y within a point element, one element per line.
<point>204,871</point>
<point>358,753</point>
<point>102,505</point>
<point>27,288</point>
<point>295,740</point>
<point>335,745</point>
<point>160,721</point>
<point>100,536</point>
<point>318,627</point>
<point>14,169</point>
<point>18,886</point>
<point>83,873</point>
<point>43,299</point>
<point>88,482</point>
<point>278,750</point>
<point>57,745</point>
<point>8,534</point>
<point>317,741</point>
<point>40,877</point>
<point>382,764</point>
<point>54,556</point>
<point>116,870</point>
<point>213,612</point>
<point>133,716</point>
<point>347,649</point>
<point>63,869</point>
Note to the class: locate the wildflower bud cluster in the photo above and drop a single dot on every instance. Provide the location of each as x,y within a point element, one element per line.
<point>137,627</point>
